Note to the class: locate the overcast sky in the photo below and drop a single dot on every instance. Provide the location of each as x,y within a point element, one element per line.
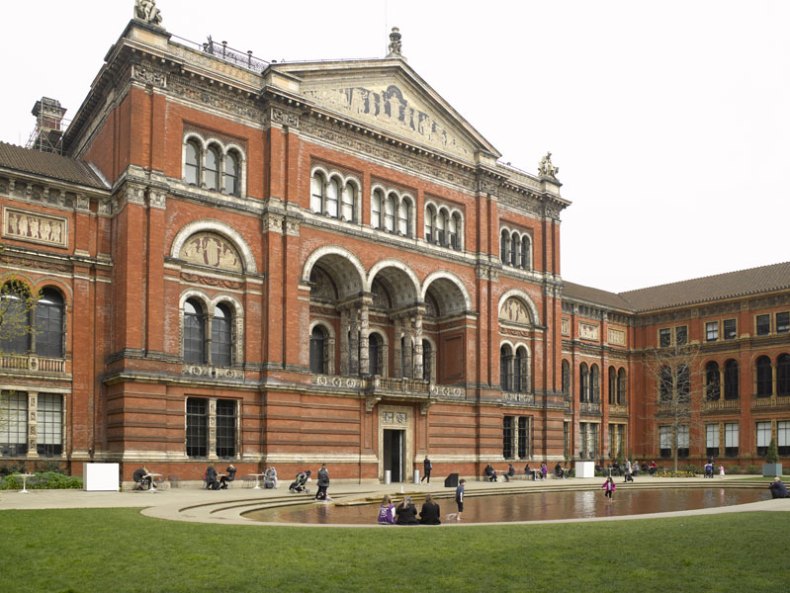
<point>670,121</point>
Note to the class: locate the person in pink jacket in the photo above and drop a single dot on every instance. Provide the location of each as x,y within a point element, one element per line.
<point>608,488</point>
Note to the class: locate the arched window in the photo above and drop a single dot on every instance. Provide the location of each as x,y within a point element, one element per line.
<point>427,361</point>
<point>430,224</point>
<point>504,246</point>
<point>584,383</point>
<point>595,384</point>
<point>318,350</point>
<point>622,388</point>
<point>515,247</point>
<point>211,174</point>
<point>666,384</point>
<point>317,185</point>
<point>49,324</point>
<point>348,203</point>
<point>566,378</point>
<point>456,231</point>
<point>441,228</point>
<point>612,386</point>
<point>377,204</point>
<point>192,163</point>
<point>15,305</point>
<point>521,371</point>
<point>506,368</point>
<point>390,206</point>
<point>731,379</point>
<point>783,374</point>
<point>375,354</point>
<point>194,333</point>
<point>764,373</point>
<point>221,336</point>
<point>232,175</point>
<point>404,218</point>
<point>525,252</point>
<point>712,382</point>
<point>332,196</point>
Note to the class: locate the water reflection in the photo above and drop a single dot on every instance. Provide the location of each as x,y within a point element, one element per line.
<point>533,506</point>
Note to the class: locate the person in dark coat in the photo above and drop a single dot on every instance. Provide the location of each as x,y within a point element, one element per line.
<point>212,483</point>
<point>230,475</point>
<point>778,489</point>
<point>427,466</point>
<point>406,512</point>
<point>430,514</point>
<point>323,483</point>
<point>141,479</point>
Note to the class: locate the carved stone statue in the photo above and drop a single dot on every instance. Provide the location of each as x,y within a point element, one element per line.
<point>546,168</point>
<point>147,11</point>
<point>395,43</point>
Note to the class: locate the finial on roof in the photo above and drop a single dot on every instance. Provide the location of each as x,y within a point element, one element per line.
<point>395,43</point>
<point>146,10</point>
<point>546,168</point>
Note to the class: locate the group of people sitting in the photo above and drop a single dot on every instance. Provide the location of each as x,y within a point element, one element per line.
<point>405,513</point>
<point>215,481</point>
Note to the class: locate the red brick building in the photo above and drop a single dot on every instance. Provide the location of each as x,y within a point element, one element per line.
<point>294,263</point>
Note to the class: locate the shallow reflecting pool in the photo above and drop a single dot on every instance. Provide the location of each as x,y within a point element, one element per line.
<point>533,506</point>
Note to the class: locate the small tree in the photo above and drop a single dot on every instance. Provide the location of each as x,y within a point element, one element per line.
<point>16,302</point>
<point>772,454</point>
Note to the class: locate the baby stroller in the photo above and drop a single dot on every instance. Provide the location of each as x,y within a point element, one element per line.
<point>270,478</point>
<point>300,483</point>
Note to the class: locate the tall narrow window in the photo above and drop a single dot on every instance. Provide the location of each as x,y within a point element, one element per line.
<point>566,379</point>
<point>332,197</point>
<point>763,325</point>
<point>584,382</point>
<point>430,224</point>
<point>390,206</point>
<point>506,368</point>
<point>730,329</point>
<point>441,228</point>
<point>404,218</point>
<point>375,352</point>
<point>665,384</point>
<point>764,374</point>
<point>665,441</point>
<point>523,437</point>
<point>452,232</point>
<point>683,441</point>
<point>712,440</point>
<point>221,340</point>
<point>684,383</point>
<point>507,437</point>
<point>15,304</point>
<point>712,382</point>
<point>192,163</point>
<point>49,324</point>
<point>731,379</point>
<point>211,174</point>
<point>763,437</point>
<point>427,361</point>
<point>504,246</point>
<point>526,253</point>
<point>612,386</point>
<point>515,248</point>
<point>349,200</point>
<point>731,439</point>
<point>232,174</point>
<point>622,388</point>
<point>783,374</point>
<point>50,425</point>
<point>226,428</point>
<point>197,427</point>
<point>194,333</point>
<point>595,384</point>
<point>318,351</point>
<point>521,375</point>
<point>377,204</point>
<point>783,322</point>
<point>13,428</point>
<point>783,437</point>
<point>317,193</point>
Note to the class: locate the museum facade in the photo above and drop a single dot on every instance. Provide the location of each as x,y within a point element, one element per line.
<point>288,264</point>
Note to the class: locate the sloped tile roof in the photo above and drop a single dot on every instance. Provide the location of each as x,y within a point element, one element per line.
<point>50,165</point>
<point>586,294</point>
<point>711,288</point>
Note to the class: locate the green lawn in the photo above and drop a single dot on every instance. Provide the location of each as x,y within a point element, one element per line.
<point>119,550</point>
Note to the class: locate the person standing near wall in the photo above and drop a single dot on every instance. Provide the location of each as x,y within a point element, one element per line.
<point>427,466</point>
<point>323,483</point>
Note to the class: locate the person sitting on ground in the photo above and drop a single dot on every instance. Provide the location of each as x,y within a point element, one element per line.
<point>230,475</point>
<point>544,471</point>
<point>635,469</point>
<point>386,511</point>
<point>430,514</point>
<point>528,472</point>
<point>141,478</point>
<point>406,512</point>
<point>270,477</point>
<point>558,471</point>
<point>210,477</point>
<point>778,489</point>
<point>510,473</point>
<point>652,468</point>
<point>490,473</point>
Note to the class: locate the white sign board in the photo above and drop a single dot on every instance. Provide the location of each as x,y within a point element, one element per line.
<point>101,477</point>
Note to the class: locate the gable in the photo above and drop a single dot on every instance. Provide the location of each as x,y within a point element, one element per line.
<point>389,96</point>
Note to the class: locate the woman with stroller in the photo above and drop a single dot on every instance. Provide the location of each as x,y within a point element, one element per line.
<point>300,483</point>
<point>323,483</point>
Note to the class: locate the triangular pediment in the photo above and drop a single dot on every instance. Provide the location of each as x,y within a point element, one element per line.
<point>389,96</point>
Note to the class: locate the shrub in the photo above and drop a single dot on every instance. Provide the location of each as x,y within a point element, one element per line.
<point>42,481</point>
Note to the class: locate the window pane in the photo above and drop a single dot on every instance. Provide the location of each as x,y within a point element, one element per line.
<point>523,438</point>
<point>782,322</point>
<point>375,210</point>
<point>317,193</point>
<point>50,424</point>
<point>389,213</point>
<point>13,428</point>
<point>194,334</point>
<point>49,325</point>
<point>16,321</point>
<point>507,437</point>
<point>681,335</point>
<point>318,351</point>
<point>664,338</point>
<point>221,337</point>
<point>783,375</point>
<point>764,377</point>
<point>232,174</point>
<point>731,380</point>
<point>332,196</point>
<point>349,198</point>
<point>226,428</point>
<point>712,331</point>
<point>763,325</point>
<point>197,427</point>
<point>404,217</point>
<point>504,247</point>
<point>730,329</point>
<point>212,168</point>
<point>192,164</point>
<point>430,215</point>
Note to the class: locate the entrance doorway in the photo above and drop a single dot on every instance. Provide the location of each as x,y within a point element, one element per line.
<point>394,453</point>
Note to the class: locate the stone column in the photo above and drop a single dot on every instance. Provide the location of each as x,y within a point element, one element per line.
<point>345,323</point>
<point>418,360</point>
<point>364,335</point>
<point>353,341</point>
<point>212,429</point>
<point>398,359</point>
<point>32,425</point>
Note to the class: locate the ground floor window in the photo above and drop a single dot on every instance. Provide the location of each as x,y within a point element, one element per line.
<point>211,427</point>
<point>617,445</point>
<point>515,437</point>
<point>522,437</point>
<point>683,441</point>
<point>731,440</point>
<point>712,440</point>
<point>31,423</point>
<point>667,436</point>
<point>783,437</point>
<point>589,440</point>
<point>763,437</point>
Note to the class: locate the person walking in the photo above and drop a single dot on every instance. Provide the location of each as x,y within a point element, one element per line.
<point>427,466</point>
<point>608,488</point>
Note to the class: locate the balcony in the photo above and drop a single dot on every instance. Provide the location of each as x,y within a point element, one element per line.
<point>617,410</point>
<point>590,408</point>
<point>721,404</point>
<point>399,388</point>
<point>762,403</point>
<point>32,363</point>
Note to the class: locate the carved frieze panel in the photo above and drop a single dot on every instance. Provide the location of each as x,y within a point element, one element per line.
<point>149,75</point>
<point>616,337</point>
<point>514,311</point>
<point>566,326</point>
<point>212,250</point>
<point>392,108</point>
<point>588,331</point>
<point>35,228</point>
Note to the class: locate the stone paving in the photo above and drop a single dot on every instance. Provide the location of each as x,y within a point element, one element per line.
<point>190,502</point>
